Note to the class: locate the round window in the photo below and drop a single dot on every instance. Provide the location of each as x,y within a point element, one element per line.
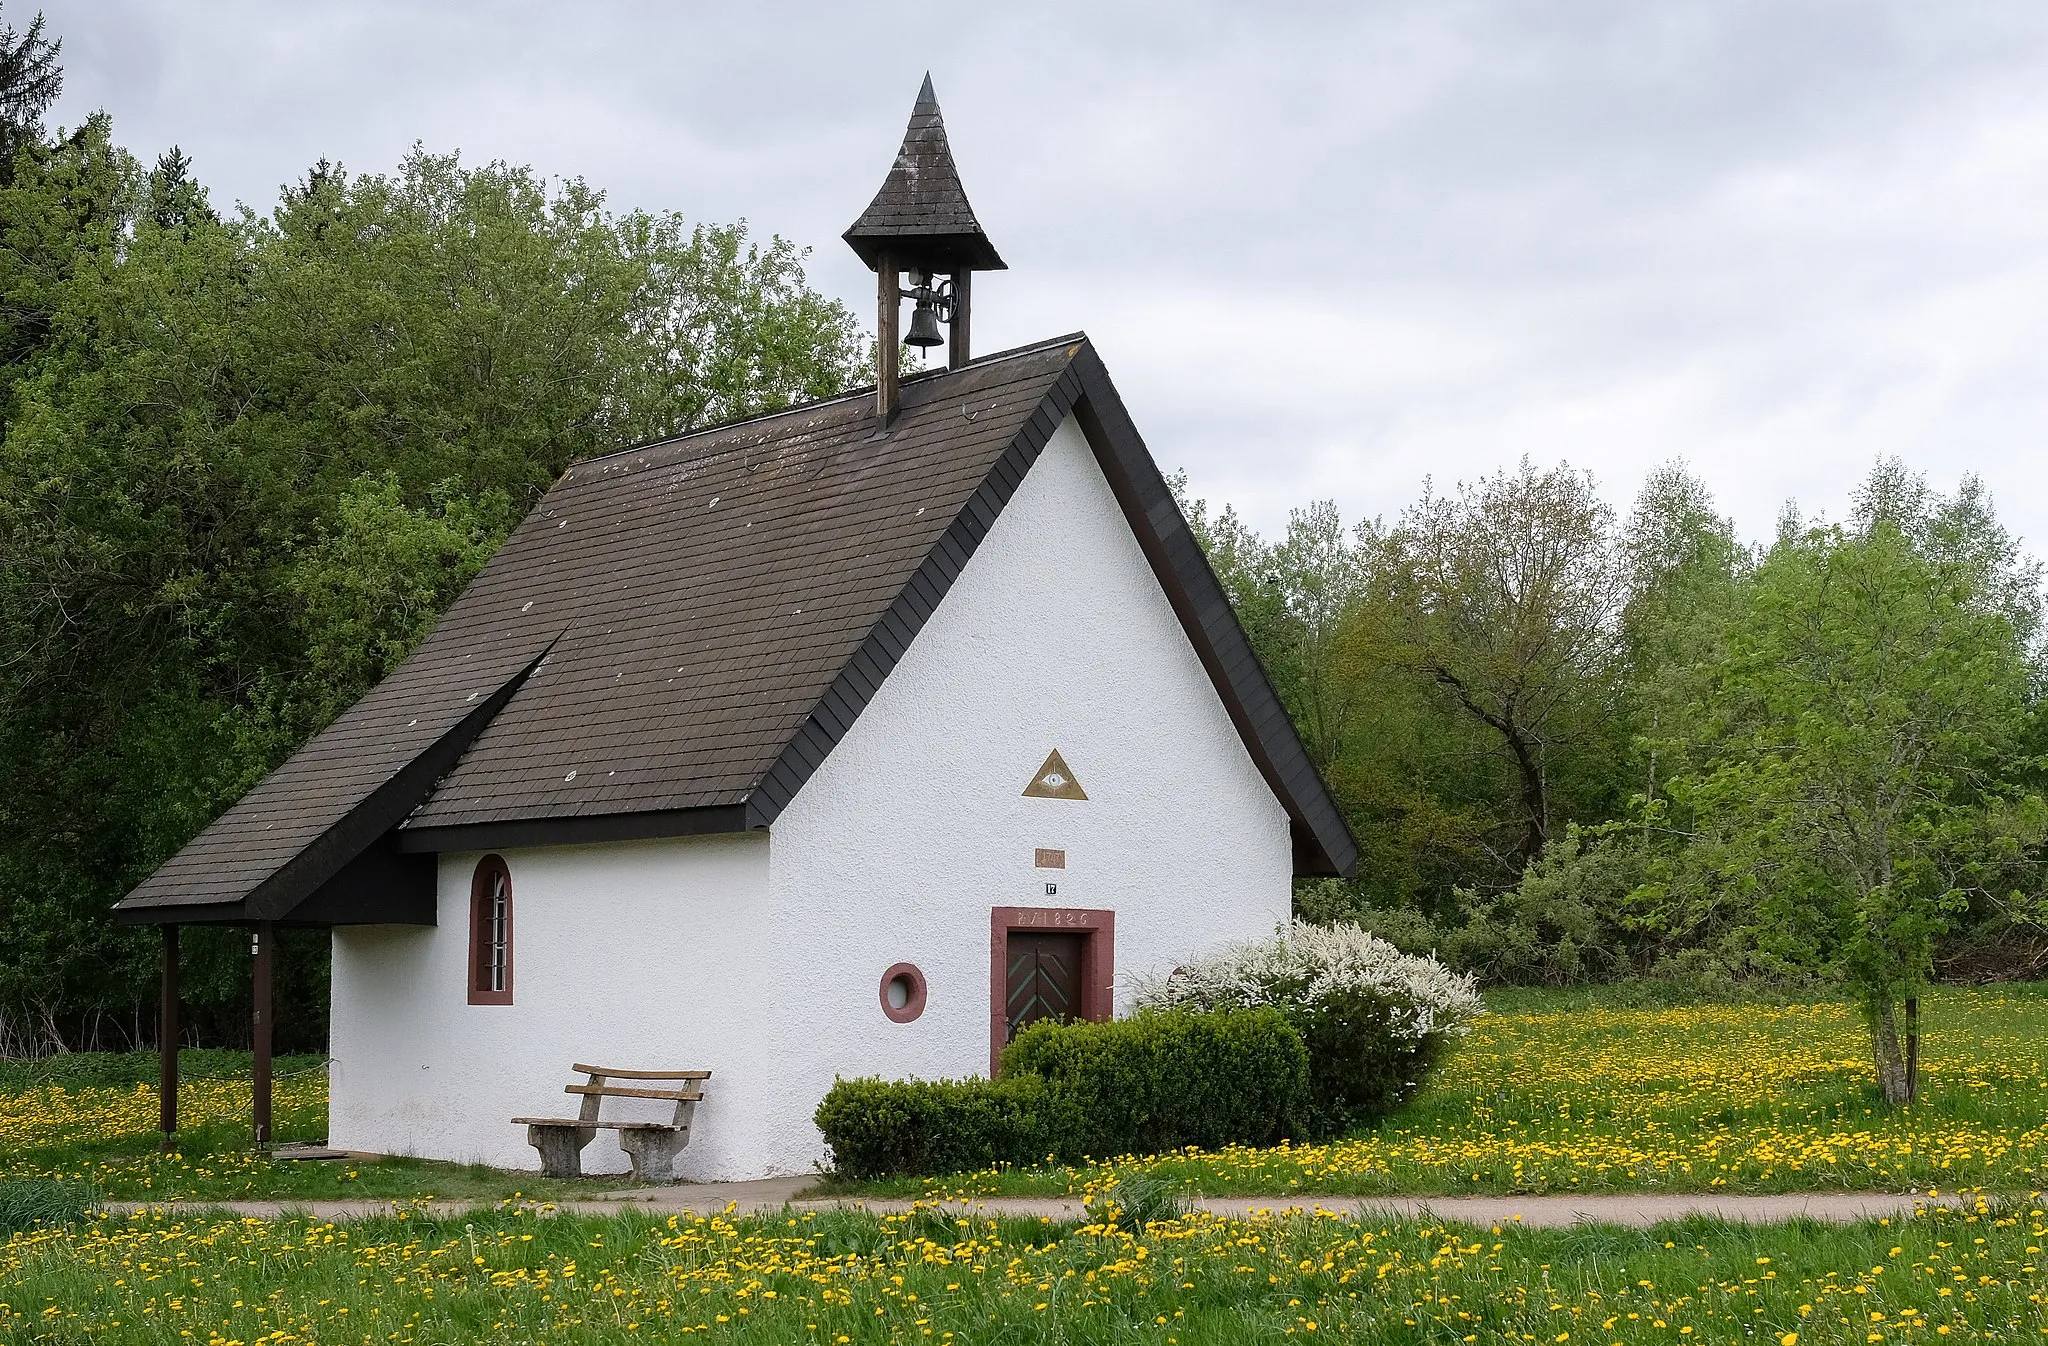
<point>903,993</point>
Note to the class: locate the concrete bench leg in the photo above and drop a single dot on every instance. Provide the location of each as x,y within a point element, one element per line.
<point>653,1152</point>
<point>561,1148</point>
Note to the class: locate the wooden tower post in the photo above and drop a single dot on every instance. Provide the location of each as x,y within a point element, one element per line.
<point>888,342</point>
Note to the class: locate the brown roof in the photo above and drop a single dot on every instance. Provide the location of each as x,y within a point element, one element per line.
<point>676,635</point>
<point>921,214</point>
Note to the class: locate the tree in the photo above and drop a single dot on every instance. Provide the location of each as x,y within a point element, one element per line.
<point>1504,596</point>
<point>1293,599</point>
<point>30,80</point>
<point>1854,740</point>
<point>247,461</point>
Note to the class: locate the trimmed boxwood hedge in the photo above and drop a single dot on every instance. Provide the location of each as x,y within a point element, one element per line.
<point>1163,1081</point>
<point>1156,1082</point>
<point>878,1127</point>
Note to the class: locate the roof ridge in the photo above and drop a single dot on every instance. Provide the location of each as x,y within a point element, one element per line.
<point>861,390</point>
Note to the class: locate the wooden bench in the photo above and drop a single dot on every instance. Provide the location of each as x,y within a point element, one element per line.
<point>652,1146</point>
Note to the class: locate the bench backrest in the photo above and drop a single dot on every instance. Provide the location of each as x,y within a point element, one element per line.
<point>596,1091</point>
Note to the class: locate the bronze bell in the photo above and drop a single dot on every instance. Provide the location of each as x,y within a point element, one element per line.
<point>924,325</point>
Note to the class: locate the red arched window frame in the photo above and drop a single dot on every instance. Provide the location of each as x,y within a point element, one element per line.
<point>490,933</point>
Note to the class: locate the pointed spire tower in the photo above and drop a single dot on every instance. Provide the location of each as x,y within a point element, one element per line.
<point>920,222</point>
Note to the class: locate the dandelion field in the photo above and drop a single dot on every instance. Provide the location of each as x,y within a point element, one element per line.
<point>90,1120</point>
<point>1541,1097</point>
<point>848,1277</point>
<point>1748,1098</point>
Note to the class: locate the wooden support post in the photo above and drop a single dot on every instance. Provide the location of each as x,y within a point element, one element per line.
<point>1912,1047</point>
<point>888,342</point>
<point>265,938</point>
<point>167,1040</point>
<point>963,288</point>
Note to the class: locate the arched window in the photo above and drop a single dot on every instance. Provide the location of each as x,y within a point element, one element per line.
<point>490,933</point>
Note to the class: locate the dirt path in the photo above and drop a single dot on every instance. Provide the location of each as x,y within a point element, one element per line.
<point>1535,1212</point>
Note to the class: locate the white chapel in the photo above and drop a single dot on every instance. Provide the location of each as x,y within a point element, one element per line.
<point>837,741</point>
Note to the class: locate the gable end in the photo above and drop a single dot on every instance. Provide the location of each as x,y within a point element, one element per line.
<point>1322,842</point>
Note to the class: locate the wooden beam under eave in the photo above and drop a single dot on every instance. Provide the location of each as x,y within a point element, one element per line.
<point>263,1026</point>
<point>167,1041</point>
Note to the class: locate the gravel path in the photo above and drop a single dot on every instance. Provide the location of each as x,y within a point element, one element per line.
<point>1536,1212</point>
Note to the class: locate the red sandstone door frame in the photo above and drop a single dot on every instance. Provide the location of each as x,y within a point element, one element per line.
<point>1098,961</point>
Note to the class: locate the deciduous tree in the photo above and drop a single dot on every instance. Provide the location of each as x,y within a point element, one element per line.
<point>247,461</point>
<point>1504,596</point>
<point>1855,743</point>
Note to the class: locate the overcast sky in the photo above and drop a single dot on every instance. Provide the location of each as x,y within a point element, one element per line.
<point>1326,251</point>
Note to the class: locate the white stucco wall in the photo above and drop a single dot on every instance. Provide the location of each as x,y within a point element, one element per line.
<point>760,958</point>
<point>635,955</point>
<point>1056,635</point>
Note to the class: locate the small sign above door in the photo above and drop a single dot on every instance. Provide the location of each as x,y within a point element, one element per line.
<point>1055,781</point>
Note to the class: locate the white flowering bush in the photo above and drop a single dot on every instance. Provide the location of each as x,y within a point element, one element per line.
<point>1376,1020</point>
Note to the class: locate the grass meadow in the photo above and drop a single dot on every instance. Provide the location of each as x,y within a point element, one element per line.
<point>845,1277</point>
<point>1564,1092</point>
<point>89,1120</point>
<point>1551,1092</point>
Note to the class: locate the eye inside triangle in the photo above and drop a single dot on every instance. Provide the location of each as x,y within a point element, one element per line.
<point>1055,780</point>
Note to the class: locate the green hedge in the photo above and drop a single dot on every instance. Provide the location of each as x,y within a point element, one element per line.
<point>1133,1086</point>
<point>1166,1080</point>
<point>878,1127</point>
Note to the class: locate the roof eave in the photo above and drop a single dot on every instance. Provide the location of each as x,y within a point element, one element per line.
<point>1323,844</point>
<point>578,830</point>
<point>941,251</point>
<point>350,836</point>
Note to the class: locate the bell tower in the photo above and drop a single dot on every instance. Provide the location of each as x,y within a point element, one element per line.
<point>920,224</point>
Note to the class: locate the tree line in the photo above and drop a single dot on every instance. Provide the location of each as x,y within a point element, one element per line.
<point>1581,747</point>
<point>246,459</point>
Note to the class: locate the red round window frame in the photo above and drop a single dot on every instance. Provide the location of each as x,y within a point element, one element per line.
<point>912,1007</point>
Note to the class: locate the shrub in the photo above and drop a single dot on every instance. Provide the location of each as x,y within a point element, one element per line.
<point>1168,1079</point>
<point>878,1127</point>
<point>1159,1081</point>
<point>1374,1020</point>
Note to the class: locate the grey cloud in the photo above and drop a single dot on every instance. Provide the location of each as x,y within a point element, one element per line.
<point>1327,250</point>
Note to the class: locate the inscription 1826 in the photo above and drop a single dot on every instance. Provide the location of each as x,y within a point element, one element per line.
<point>1029,917</point>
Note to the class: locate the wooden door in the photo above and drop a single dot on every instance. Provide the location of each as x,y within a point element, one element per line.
<point>1043,979</point>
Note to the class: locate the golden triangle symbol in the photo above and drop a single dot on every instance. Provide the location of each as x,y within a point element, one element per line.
<point>1055,781</point>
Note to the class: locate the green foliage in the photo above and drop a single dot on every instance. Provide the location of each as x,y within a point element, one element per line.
<point>1579,751</point>
<point>246,462</point>
<point>30,1203</point>
<point>1362,1069</point>
<point>1167,1079</point>
<point>1453,676</point>
<point>1853,751</point>
<point>370,584</point>
<point>877,1127</point>
<point>1137,1201</point>
<point>30,80</point>
<point>1501,598</point>
<point>1159,1081</point>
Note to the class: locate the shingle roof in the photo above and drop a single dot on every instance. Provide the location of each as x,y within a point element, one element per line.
<point>676,636</point>
<point>921,213</point>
